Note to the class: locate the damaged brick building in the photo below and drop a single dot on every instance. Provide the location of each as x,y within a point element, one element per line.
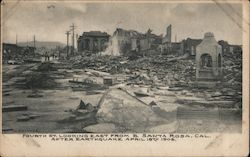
<point>128,41</point>
<point>93,41</point>
<point>146,42</point>
<point>166,47</point>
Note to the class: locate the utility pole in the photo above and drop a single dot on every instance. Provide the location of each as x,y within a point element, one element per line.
<point>27,40</point>
<point>16,39</point>
<point>72,28</point>
<point>59,52</point>
<point>16,45</point>
<point>34,45</point>
<point>67,33</point>
<point>34,41</point>
<point>76,42</point>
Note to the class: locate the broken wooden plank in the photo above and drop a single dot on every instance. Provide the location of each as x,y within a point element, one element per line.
<point>23,118</point>
<point>14,108</point>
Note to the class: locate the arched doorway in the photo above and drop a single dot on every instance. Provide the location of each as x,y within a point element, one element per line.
<point>219,61</point>
<point>206,61</point>
<point>87,44</point>
<point>95,45</point>
<point>103,44</point>
<point>82,46</point>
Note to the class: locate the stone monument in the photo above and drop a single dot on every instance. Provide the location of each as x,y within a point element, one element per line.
<point>208,61</point>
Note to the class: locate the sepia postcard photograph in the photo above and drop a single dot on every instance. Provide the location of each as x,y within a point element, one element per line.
<point>81,68</point>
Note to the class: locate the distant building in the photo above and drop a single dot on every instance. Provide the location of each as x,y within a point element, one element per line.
<point>7,47</point>
<point>235,49</point>
<point>145,42</point>
<point>189,46</point>
<point>140,44</point>
<point>228,49</point>
<point>10,51</point>
<point>176,48</point>
<point>94,41</point>
<point>225,46</point>
<point>13,51</point>
<point>155,40</point>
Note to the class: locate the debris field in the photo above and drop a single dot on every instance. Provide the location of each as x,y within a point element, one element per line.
<point>155,93</point>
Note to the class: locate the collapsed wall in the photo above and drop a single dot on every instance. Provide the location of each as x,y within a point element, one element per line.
<point>113,47</point>
<point>120,42</point>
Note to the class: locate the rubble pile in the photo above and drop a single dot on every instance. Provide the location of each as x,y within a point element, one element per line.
<point>178,73</point>
<point>233,71</point>
<point>160,69</point>
<point>231,88</point>
<point>178,70</point>
<point>102,63</point>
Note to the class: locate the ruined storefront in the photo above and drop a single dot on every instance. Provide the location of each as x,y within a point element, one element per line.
<point>94,41</point>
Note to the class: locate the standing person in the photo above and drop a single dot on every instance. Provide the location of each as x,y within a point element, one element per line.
<point>48,56</point>
<point>45,55</point>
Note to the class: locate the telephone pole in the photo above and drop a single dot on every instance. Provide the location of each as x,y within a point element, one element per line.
<point>73,27</point>
<point>76,42</point>
<point>67,33</point>
<point>34,40</point>
<point>16,39</point>
<point>16,44</point>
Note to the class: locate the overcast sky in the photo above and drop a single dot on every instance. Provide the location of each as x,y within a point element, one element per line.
<point>188,20</point>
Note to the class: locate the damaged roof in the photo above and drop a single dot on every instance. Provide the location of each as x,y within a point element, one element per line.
<point>129,33</point>
<point>135,34</point>
<point>95,34</point>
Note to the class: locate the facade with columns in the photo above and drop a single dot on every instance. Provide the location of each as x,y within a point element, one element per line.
<point>93,41</point>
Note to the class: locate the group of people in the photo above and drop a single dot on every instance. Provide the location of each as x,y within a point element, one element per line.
<point>47,56</point>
